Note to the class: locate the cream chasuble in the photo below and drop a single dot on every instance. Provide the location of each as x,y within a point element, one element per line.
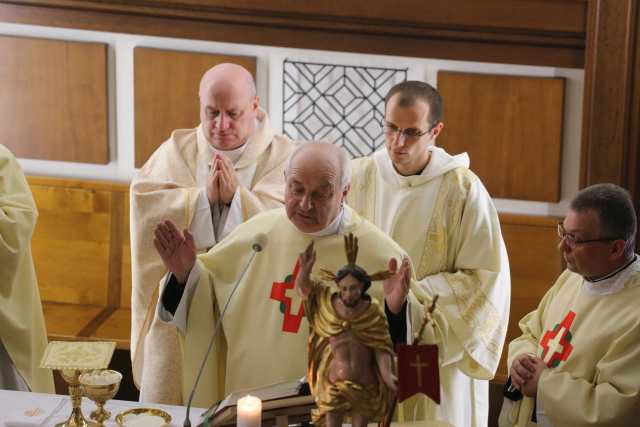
<point>22,328</point>
<point>589,335</point>
<point>170,186</point>
<point>264,332</point>
<point>445,220</point>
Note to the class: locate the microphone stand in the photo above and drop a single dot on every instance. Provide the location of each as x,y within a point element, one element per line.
<point>256,247</point>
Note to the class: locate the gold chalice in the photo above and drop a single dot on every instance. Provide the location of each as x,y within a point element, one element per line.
<point>76,419</point>
<point>100,386</point>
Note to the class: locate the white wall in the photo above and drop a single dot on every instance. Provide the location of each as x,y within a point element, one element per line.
<point>270,59</point>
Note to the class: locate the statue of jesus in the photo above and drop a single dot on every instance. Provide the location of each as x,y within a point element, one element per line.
<point>351,365</point>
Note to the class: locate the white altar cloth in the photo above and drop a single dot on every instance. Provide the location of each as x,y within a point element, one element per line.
<point>21,409</point>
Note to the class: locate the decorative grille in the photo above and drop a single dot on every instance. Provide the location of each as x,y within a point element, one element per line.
<point>341,104</point>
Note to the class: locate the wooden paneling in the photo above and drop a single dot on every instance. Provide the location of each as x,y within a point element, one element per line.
<point>117,327</point>
<point>81,224</point>
<point>71,244</point>
<point>611,92</point>
<point>81,253</point>
<point>535,32</point>
<point>125,275</point>
<point>511,126</point>
<point>54,99</point>
<point>66,321</point>
<point>535,263</point>
<point>166,93</point>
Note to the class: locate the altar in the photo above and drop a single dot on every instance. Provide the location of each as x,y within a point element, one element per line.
<point>22,409</point>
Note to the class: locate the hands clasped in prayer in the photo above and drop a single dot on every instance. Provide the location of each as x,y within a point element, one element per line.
<point>525,373</point>
<point>177,249</point>
<point>222,181</point>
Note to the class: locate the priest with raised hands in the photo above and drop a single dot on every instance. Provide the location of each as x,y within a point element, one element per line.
<point>264,331</point>
<point>23,336</point>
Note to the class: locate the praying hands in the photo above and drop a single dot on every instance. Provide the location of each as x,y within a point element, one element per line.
<point>222,181</point>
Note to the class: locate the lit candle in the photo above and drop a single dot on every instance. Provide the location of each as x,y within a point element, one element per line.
<point>249,412</point>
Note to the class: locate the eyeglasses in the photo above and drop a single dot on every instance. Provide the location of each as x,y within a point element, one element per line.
<point>572,242</point>
<point>409,133</point>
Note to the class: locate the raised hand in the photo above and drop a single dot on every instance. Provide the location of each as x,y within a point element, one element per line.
<point>177,249</point>
<point>306,260</point>
<point>396,288</point>
<point>228,182</point>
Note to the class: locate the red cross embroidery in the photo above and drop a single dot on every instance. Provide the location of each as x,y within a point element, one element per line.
<point>291,322</point>
<point>560,336</point>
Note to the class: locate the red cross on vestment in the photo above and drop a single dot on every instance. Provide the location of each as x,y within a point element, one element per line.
<point>559,336</point>
<point>291,322</point>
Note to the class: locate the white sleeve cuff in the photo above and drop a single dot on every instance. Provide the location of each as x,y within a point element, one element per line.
<point>179,319</point>
<point>202,224</point>
<point>409,322</point>
<point>435,284</point>
<point>541,417</point>
<point>234,215</point>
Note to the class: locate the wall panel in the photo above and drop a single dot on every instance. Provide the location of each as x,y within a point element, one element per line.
<point>539,32</point>
<point>535,263</point>
<point>166,93</point>
<point>511,126</point>
<point>54,99</point>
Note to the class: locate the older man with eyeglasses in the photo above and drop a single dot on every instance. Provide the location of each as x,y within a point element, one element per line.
<point>430,203</point>
<point>577,362</point>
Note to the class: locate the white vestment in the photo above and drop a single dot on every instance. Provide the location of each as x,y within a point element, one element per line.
<point>445,220</point>
<point>588,333</point>
<point>171,185</point>
<point>264,332</point>
<point>23,336</point>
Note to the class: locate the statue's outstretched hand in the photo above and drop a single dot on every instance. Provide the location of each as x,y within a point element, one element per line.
<point>177,249</point>
<point>396,288</point>
<point>306,259</point>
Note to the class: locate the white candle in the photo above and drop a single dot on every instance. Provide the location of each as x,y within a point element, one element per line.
<point>249,412</point>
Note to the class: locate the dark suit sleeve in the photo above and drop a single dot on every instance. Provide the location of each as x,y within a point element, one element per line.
<point>397,324</point>
<point>172,295</point>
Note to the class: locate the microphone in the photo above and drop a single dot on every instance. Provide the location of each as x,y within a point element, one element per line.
<point>259,243</point>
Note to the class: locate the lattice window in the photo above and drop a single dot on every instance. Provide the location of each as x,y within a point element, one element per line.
<point>337,103</point>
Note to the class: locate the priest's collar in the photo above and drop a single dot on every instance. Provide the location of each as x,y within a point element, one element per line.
<point>613,282</point>
<point>233,155</point>
<point>337,225</point>
<point>245,155</point>
<point>439,163</point>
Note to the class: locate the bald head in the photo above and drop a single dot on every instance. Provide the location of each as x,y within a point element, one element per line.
<point>323,152</point>
<point>228,106</point>
<point>228,74</point>
<point>317,182</point>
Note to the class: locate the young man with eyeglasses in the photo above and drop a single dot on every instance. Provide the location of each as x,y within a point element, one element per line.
<point>440,213</point>
<point>578,360</point>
